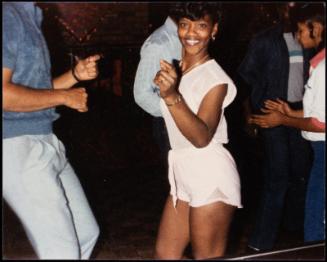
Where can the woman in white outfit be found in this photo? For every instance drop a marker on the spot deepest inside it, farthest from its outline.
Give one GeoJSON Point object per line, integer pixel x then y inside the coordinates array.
{"type": "Point", "coordinates": [205, 186]}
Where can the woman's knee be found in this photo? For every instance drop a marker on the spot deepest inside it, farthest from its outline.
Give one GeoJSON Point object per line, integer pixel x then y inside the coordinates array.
{"type": "Point", "coordinates": [209, 250]}
{"type": "Point", "coordinates": [163, 254]}
{"type": "Point", "coordinates": [208, 254]}
{"type": "Point", "coordinates": [166, 251]}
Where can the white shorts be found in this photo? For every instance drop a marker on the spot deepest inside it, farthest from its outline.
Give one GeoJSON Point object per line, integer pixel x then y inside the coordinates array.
{"type": "Point", "coordinates": [201, 176]}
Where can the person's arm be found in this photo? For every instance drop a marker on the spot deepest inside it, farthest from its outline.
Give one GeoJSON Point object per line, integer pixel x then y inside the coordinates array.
{"type": "Point", "coordinates": [18, 98]}
{"type": "Point", "coordinates": [274, 118]}
{"type": "Point", "coordinates": [253, 69]}
{"type": "Point", "coordinates": [310, 124]}
{"type": "Point", "coordinates": [85, 69]}
{"type": "Point", "coordinates": [253, 63]}
{"type": "Point", "coordinates": [145, 91]}
{"type": "Point", "coordinates": [311, 119]}
{"type": "Point", "coordinates": [198, 128]}
{"type": "Point", "coordinates": [282, 107]}
{"type": "Point", "coordinates": [250, 129]}
{"type": "Point", "coordinates": [247, 109]}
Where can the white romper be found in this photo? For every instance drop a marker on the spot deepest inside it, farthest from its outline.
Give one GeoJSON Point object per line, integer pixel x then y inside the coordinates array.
{"type": "Point", "coordinates": [201, 176]}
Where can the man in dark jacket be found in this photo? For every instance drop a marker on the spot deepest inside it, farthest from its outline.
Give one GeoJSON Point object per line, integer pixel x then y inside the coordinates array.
{"type": "Point", "coordinates": [275, 67]}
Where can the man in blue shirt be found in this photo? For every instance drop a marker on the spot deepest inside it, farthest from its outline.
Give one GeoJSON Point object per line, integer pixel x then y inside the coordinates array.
{"type": "Point", "coordinates": [163, 43]}
{"type": "Point", "coordinates": [39, 184]}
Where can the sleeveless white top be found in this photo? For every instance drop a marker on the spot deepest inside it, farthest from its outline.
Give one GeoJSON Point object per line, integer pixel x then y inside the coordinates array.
{"type": "Point", "coordinates": [193, 87]}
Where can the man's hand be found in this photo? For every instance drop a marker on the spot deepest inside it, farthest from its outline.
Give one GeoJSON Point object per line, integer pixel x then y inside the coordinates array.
{"type": "Point", "coordinates": [87, 69]}
{"type": "Point", "coordinates": [76, 98]}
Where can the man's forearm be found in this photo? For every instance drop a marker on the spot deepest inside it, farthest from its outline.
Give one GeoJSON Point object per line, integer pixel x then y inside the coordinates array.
{"type": "Point", "coordinates": [17, 98]}
{"type": "Point", "coordinates": [144, 89]}
{"type": "Point", "coordinates": [145, 96]}
{"type": "Point", "coordinates": [64, 81]}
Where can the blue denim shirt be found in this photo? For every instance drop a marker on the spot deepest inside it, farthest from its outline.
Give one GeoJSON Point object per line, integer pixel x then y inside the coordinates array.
{"type": "Point", "coordinates": [25, 52]}
{"type": "Point", "coordinates": [163, 43]}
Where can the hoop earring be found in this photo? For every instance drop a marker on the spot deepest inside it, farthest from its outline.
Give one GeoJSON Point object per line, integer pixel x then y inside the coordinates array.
{"type": "Point", "coordinates": [213, 38]}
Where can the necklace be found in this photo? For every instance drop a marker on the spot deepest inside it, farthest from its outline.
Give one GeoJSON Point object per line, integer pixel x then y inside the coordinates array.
{"type": "Point", "coordinates": [201, 61]}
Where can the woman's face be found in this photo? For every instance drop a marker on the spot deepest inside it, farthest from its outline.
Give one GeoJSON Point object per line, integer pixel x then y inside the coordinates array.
{"type": "Point", "coordinates": [303, 36]}
{"type": "Point", "coordinates": [195, 35]}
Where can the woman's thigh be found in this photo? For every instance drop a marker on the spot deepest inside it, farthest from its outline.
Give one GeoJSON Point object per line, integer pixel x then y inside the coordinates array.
{"type": "Point", "coordinates": [209, 227]}
{"type": "Point", "coordinates": [173, 235]}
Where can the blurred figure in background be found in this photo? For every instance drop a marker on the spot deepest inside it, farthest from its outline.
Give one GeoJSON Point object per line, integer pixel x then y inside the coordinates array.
{"type": "Point", "coordinates": [163, 43]}
{"type": "Point", "coordinates": [275, 67]}
{"type": "Point", "coordinates": [311, 22]}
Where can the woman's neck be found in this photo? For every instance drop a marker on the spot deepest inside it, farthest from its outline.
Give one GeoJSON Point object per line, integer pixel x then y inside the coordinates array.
{"type": "Point", "coordinates": [189, 59]}
{"type": "Point", "coordinates": [189, 62]}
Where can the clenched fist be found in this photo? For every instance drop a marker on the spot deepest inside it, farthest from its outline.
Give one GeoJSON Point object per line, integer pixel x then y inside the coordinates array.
{"type": "Point", "coordinates": [76, 98]}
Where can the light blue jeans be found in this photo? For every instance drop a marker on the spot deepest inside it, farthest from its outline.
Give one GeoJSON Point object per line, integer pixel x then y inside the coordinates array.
{"type": "Point", "coordinates": [42, 189]}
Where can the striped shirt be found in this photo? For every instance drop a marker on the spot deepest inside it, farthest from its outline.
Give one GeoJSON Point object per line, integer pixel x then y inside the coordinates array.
{"type": "Point", "coordinates": [295, 79]}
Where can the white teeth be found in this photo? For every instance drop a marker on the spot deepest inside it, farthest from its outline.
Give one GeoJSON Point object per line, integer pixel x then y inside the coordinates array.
{"type": "Point", "coordinates": [192, 42]}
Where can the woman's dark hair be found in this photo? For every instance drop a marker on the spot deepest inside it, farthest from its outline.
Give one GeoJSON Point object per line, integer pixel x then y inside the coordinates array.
{"type": "Point", "coordinates": [309, 13]}
{"type": "Point", "coordinates": [197, 10]}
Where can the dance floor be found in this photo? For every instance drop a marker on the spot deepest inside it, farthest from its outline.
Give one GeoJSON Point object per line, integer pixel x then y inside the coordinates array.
{"type": "Point", "coordinates": [114, 154]}
{"type": "Point", "coordinates": [128, 208]}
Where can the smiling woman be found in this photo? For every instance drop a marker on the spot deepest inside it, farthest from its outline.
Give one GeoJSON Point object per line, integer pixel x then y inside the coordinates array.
{"type": "Point", "coordinates": [196, 30]}
{"type": "Point", "coordinates": [202, 174]}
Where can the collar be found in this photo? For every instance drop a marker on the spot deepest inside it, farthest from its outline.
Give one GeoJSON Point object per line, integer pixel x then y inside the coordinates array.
{"type": "Point", "coordinates": [317, 58]}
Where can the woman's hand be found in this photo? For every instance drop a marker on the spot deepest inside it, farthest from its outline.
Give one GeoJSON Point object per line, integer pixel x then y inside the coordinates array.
{"type": "Point", "coordinates": [279, 106]}
{"type": "Point", "coordinates": [166, 79]}
{"type": "Point", "coordinates": [272, 118]}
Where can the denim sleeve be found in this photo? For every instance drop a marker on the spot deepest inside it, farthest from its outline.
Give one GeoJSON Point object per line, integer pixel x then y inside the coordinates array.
{"type": "Point", "coordinates": [12, 31]}
{"type": "Point", "coordinates": [146, 93]}
{"type": "Point", "coordinates": [251, 66]}
{"type": "Point", "coordinates": [252, 70]}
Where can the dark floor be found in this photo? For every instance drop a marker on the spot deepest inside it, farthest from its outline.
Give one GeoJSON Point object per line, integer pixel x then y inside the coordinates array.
{"type": "Point", "coordinates": [128, 208]}
{"type": "Point", "coordinates": [113, 152]}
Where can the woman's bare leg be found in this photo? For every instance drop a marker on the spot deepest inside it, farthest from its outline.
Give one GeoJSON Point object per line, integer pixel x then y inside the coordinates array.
{"type": "Point", "coordinates": [173, 235]}
{"type": "Point", "coordinates": [209, 226]}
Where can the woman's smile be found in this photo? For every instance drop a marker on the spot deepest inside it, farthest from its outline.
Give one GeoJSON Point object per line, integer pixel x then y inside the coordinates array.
{"type": "Point", "coordinates": [195, 35]}
{"type": "Point", "coordinates": [191, 42]}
